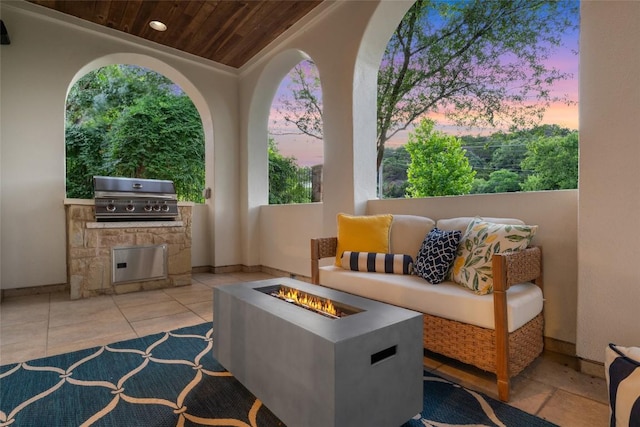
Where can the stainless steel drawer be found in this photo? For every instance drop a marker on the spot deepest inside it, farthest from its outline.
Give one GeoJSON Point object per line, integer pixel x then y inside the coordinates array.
{"type": "Point", "coordinates": [138, 263]}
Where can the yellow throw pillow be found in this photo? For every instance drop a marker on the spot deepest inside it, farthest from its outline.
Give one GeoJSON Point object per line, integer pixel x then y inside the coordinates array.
{"type": "Point", "coordinates": [366, 233]}
{"type": "Point", "coordinates": [482, 239]}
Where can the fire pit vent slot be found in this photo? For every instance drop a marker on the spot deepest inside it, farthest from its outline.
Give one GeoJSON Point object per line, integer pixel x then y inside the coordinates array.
{"type": "Point", "coordinates": [383, 354]}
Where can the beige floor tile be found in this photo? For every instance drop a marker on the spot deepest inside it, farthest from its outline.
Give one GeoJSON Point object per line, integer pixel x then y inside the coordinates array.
{"type": "Point", "coordinates": [203, 309]}
{"type": "Point", "coordinates": [97, 341]}
{"type": "Point", "coordinates": [251, 277]}
{"type": "Point", "coordinates": [96, 309]}
{"type": "Point", "coordinates": [140, 298]}
{"type": "Point", "coordinates": [529, 395]}
{"type": "Point", "coordinates": [22, 351]}
{"type": "Point", "coordinates": [214, 279]}
{"type": "Point", "coordinates": [25, 309]}
{"type": "Point", "coordinates": [197, 292]}
{"type": "Point", "coordinates": [24, 332]}
{"type": "Point", "coordinates": [469, 377]}
{"type": "Point", "coordinates": [86, 332]}
{"type": "Point", "coordinates": [554, 371]}
{"type": "Point", "coordinates": [431, 363]}
{"type": "Point", "coordinates": [570, 410]}
{"type": "Point", "coordinates": [151, 311]}
{"type": "Point", "coordinates": [166, 323]}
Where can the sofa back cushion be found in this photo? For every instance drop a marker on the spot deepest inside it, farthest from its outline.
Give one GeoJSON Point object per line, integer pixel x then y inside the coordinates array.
{"type": "Point", "coordinates": [365, 233]}
{"type": "Point", "coordinates": [461, 223]}
{"type": "Point", "coordinates": [408, 233]}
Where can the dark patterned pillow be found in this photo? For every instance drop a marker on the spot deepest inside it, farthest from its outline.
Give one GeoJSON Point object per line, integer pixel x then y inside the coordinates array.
{"type": "Point", "coordinates": [622, 371]}
{"type": "Point", "coordinates": [377, 262]}
{"type": "Point", "coordinates": [436, 254]}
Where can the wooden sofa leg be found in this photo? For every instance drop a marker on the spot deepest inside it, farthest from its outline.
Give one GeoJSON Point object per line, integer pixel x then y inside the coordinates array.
{"type": "Point", "coordinates": [503, 389]}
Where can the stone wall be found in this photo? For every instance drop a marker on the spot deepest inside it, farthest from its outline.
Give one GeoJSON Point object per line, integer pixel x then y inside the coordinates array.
{"type": "Point", "coordinates": [89, 244]}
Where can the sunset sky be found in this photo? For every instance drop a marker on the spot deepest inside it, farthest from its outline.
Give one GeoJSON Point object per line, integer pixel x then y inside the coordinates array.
{"type": "Point", "coordinates": [309, 151]}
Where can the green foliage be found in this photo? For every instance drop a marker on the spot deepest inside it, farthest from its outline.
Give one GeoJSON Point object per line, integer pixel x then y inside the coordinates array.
{"type": "Point", "coordinates": [500, 181]}
{"type": "Point", "coordinates": [438, 164]}
{"type": "Point", "coordinates": [554, 163]}
{"type": "Point", "coordinates": [394, 172]}
{"type": "Point", "coordinates": [542, 158]}
{"type": "Point", "coordinates": [128, 121]}
{"type": "Point", "coordinates": [285, 185]}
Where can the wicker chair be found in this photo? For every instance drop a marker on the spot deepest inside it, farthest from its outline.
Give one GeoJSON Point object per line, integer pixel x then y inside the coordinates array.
{"type": "Point", "coordinates": [494, 350]}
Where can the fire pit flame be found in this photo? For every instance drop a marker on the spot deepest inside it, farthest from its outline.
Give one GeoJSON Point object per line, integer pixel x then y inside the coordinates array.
{"type": "Point", "coordinates": [324, 306]}
{"type": "Point", "coordinates": [314, 303]}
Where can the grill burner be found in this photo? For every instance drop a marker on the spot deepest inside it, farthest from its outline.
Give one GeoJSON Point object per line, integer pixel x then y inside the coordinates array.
{"type": "Point", "coordinates": [122, 199]}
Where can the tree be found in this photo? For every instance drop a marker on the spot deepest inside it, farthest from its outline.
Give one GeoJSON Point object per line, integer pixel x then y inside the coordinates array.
{"type": "Point", "coordinates": [553, 162]}
{"type": "Point", "coordinates": [438, 165]}
{"type": "Point", "coordinates": [126, 120]}
{"type": "Point", "coordinates": [481, 63]}
{"type": "Point", "coordinates": [500, 181]}
{"type": "Point", "coordinates": [161, 137]}
{"type": "Point", "coordinates": [285, 185]}
{"type": "Point", "coordinates": [304, 111]}
{"type": "Point", "coordinates": [394, 172]}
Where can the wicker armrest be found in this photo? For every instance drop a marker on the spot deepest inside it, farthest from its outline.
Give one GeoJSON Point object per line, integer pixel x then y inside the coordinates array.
{"type": "Point", "coordinates": [518, 267]}
{"type": "Point", "coordinates": [323, 247]}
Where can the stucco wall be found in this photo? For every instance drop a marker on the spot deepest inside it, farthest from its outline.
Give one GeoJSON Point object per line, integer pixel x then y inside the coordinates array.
{"type": "Point", "coordinates": [609, 208]}
{"type": "Point", "coordinates": [46, 53]}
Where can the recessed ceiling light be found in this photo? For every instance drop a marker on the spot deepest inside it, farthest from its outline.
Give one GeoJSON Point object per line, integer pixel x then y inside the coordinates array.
{"type": "Point", "coordinates": [158, 26]}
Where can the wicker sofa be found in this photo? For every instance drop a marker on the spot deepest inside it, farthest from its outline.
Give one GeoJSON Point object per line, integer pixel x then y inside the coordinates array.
{"type": "Point", "coordinates": [501, 332]}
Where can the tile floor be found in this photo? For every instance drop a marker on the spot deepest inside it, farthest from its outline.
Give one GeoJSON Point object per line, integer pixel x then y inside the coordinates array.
{"type": "Point", "coordinates": [42, 325]}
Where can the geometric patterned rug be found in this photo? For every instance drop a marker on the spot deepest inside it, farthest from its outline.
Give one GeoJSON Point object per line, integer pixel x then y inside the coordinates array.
{"type": "Point", "coordinates": [172, 379]}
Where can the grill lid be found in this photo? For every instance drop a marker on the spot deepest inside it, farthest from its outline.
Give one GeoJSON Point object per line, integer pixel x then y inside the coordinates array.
{"type": "Point", "coordinates": [110, 184]}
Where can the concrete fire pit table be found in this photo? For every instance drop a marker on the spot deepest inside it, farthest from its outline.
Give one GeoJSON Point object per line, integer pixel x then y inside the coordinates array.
{"type": "Point", "coordinates": [364, 369]}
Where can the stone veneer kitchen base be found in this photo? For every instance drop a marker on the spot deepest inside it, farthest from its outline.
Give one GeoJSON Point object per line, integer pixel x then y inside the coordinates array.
{"type": "Point", "coordinates": [89, 244]}
{"type": "Point", "coordinates": [309, 370]}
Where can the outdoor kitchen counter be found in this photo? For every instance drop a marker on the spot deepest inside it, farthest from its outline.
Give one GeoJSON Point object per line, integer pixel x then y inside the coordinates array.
{"type": "Point", "coordinates": [126, 224]}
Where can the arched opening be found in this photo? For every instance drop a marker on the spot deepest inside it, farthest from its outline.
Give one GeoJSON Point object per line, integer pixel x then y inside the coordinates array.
{"type": "Point", "coordinates": [133, 116]}
{"type": "Point", "coordinates": [498, 95]}
{"type": "Point", "coordinates": [296, 149]}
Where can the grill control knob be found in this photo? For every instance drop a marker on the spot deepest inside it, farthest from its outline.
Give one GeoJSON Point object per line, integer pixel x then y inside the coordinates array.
{"type": "Point", "coordinates": [156, 208]}
{"type": "Point", "coordinates": [165, 208]}
{"type": "Point", "coordinates": [147, 208]}
{"type": "Point", "coordinates": [111, 207]}
{"type": "Point", "coordinates": [130, 208]}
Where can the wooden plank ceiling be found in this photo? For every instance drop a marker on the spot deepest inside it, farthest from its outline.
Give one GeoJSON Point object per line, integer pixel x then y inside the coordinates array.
{"type": "Point", "coordinates": [230, 32]}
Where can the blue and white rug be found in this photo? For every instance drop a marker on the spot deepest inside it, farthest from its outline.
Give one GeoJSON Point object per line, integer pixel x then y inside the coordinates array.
{"type": "Point", "coordinates": [172, 379]}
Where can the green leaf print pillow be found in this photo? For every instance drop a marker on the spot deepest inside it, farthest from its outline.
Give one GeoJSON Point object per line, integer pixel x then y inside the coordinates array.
{"type": "Point", "coordinates": [482, 239]}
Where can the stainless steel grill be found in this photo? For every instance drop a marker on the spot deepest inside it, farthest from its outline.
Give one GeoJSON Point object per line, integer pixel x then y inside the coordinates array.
{"type": "Point", "coordinates": [125, 199]}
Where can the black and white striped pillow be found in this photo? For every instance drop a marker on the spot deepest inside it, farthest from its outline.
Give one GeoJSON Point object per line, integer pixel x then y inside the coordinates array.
{"type": "Point", "coordinates": [377, 262]}
{"type": "Point", "coordinates": [622, 370]}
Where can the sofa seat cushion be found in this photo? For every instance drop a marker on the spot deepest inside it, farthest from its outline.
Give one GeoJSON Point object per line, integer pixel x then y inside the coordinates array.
{"type": "Point", "coordinates": [447, 299]}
